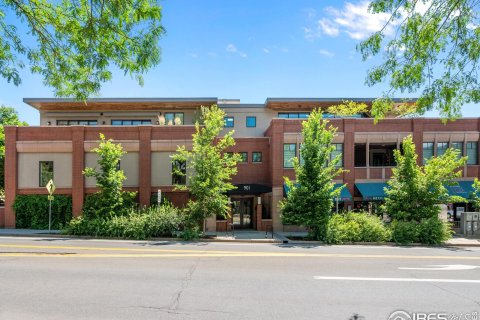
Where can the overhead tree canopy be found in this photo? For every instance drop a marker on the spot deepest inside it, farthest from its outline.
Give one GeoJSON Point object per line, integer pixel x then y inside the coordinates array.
{"type": "Point", "coordinates": [77, 42]}
{"type": "Point", "coordinates": [435, 49]}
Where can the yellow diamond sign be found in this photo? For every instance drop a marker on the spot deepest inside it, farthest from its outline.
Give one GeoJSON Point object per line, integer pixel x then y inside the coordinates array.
{"type": "Point", "coordinates": [50, 187]}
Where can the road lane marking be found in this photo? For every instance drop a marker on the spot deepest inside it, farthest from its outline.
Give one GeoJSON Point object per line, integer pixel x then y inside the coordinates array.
{"type": "Point", "coordinates": [396, 279]}
{"type": "Point", "coordinates": [445, 267]}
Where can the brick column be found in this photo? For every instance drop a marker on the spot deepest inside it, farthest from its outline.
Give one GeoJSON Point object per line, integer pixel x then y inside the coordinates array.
{"type": "Point", "coordinates": [349, 152]}
{"type": "Point", "coordinates": [10, 174]}
{"type": "Point", "coordinates": [417, 128]}
{"type": "Point", "coordinates": [258, 216]}
{"type": "Point", "coordinates": [78, 164]}
{"type": "Point", "coordinates": [145, 186]}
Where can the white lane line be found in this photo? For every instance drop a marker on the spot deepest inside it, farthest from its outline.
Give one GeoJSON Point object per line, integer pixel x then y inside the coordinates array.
{"type": "Point", "coordinates": [396, 279]}
{"type": "Point", "coordinates": [444, 267]}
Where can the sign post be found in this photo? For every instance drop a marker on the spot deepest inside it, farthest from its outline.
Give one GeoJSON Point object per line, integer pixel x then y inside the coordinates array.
{"type": "Point", "coordinates": [51, 189]}
{"type": "Point", "coordinates": [159, 196]}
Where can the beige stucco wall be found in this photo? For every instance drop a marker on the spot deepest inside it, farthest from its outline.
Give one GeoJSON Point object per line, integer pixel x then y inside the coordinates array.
{"type": "Point", "coordinates": [264, 116]}
{"type": "Point", "coordinates": [128, 163]}
{"type": "Point", "coordinates": [29, 169]}
{"type": "Point", "coordinates": [161, 168]}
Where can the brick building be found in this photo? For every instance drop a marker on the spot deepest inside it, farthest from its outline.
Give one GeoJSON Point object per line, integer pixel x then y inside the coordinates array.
{"type": "Point", "coordinates": [267, 136]}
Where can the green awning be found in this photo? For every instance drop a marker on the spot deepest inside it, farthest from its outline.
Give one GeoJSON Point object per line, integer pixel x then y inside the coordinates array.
{"type": "Point", "coordinates": [464, 189]}
{"type": "Point", "coordinates": [372, 190]}
{"type": "Point", "coordinates": [345, 195]}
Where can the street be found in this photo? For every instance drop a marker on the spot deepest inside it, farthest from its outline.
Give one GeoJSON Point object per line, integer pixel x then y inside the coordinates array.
{"type": "Point", "coordinates": [100, 279]}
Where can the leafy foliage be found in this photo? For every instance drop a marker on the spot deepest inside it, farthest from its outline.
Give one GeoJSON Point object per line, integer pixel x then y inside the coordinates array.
{"type": "Point", "coordinates": [210, 166]}
{"type": "Point", "coordinates": [476, 194]}
{"type": "Point", "coordinates": [94, 201]}
{"type": "Point", "coordinates": [309, 202]}
{"type": "Point", "coordinates": [75, 42]}
{"type": "Point", "coordinates": [151, 222]}
{"type": "Point", "coordinates": [31, 211]}
{"type": "Point", "coordinates": [356, 227]}
{"type": "Point", "coordinates": [8, 117]}
{"type": "Point", "coordinates": [416, 191]}
{"type": "Point", "coordinates": [437, 51]}
{"type": "Point", "coordinates": [348, 108]}
{"type": "Point", "coordinates": [426, 231]}
{"type": "Point", "coordinates": [110, 199]}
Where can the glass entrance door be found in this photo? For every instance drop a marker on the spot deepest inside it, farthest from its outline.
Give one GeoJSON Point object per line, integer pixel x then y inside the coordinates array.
{"type": "Point", "coordinates": [242, 213]}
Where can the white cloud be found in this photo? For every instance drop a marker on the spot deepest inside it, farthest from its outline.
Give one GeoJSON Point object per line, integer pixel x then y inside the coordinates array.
{"type": "Point", "coordinates": [193, 55]}
{"type": "Point", "coordinates": [265, 50]}
{"type": "Point", "coordinates": [326, 53]}
{"type": "Point", "coordinates": [284, 50]}
{"type": "Point", "coordinates": [328, 27]}
{"type": "Point", "coordinates": [233, 49]}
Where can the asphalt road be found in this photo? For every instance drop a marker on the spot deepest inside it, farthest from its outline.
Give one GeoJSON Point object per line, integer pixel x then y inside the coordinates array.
{"type": "Point", "coordinates": [92, 279]}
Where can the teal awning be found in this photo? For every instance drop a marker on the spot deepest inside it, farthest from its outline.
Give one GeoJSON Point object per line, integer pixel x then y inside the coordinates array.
{"type": "Point", "coordinates": [372, 190]}
{"type": "Point", "coordinates": [345, 195]}
{"type": "Point", "coordinates": [463, 189]}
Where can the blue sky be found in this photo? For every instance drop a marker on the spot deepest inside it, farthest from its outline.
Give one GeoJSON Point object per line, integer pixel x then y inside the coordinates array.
{"type": "Point", "coordinates": [249, 49]}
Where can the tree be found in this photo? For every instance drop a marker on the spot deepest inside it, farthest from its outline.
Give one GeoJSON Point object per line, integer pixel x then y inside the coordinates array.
{"type": "Point", "coordinates": [415, 191]}
{"type": "Point", "coordinates": [76, 41]}
{"type": "Point", "coordinates": [8, 117]}
{"type": "Point", "coordinates": [309, 202]}
{"type": "Point", "coordinates": [476, 194]}
{"type": "Point", "coordinates": [210, 168]}
{"type": "Point", "coordinates": [109, 201]}
{"type": "Point", "coordinates": [435, 48]}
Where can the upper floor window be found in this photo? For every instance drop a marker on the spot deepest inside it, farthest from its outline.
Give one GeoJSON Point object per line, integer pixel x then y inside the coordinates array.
{"type": "Point", "coordinates": [77, 122]}
{"type": "Point", "coordinates": [472, 153]}
{"type": "Point", "coordinates": [427, 151]}
{"type": "Point", "coordinates": [243, 156]}
{"type": "Point", "coordinates": [289, 152]}
{"type": "Point", "coordinates": [45, 172]}
{"type": "Point", "coordinates": [174, 118]}
{"type": "Point", "coordinates": [229, 122]}
{"type": "Point", "coordinates": [130, 122]}
{"type": "Point", "coordinates": [179, 171]}
{"type": "Point", "coordinates": [256, 156]}
{"type": "Point", "coordinates": [458, 146]}
{"type": "Point", "coordinates": [441, 148]}
{"type": "Point", "coordinates": [251, 121]}
{"type": "Point", "coordinates": [293, 115]}
{"type": "Point", "coordinates": [338, 151]}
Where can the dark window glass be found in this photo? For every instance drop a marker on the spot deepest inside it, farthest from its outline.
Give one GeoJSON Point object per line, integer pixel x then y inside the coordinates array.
{"type": "Point", "coordinates": [283, 115]}
{"type": "Point", "coordinates": [441, 148]}
{"type": "Point", "coordinates": [251, 122]}
{"type": "Point", "coordinates": [174, 118]}
{"type": "Point", "coordinates": [256, 157]}
{"type": "Point", "coordinates": [76, 122]}
{"type": "Point", "coordinates": [46, 172]}
{"type": "Point", "coordinates": [472, 153]}
{"type": "Point", "coordinates": [130, 122]}
{"type": "Point", "coordinates": [293, 115]}
{"type": "Point", "coordinates": [243, 156]}
{"type": "Point", "coordinates": [179, 171]}
{"type": "Point", "coordinates": [289, 152]}
{"type": "Point", "coordinates": [229, 122]}
{"type": "Point", "coordinates": [458, 146]}
{"type": "Point", "coordinates": [338, 151]}
{"type": "Point", "coordinates": [381, 155]}
{"type": "Point", "coordinates": [427, 151]}
{"type": "Point", "coordinates": [360, 156]}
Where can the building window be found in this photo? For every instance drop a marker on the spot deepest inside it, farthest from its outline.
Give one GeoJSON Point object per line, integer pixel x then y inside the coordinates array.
{"type": "Point", "coordinates": [289, 152]}
{"type": "Point", "coordinates": [381, 155]}
{"type": "Point", "coordinates": [427, 151]}
{"type": "Point", "coordinates": [130, 122]}
{"type": "Point", "coordinates": [441, 148]}
{"type": "Point", "coordinates": [179, 171]}
{"type": "Point", "coordinates": [301, 161]}
{"type": "Point", "coordinates": [46, 172]}
{"type": "Point", "coordinates": [256, 156]}
{"type": "Point", "coordinates": [229, 122]}
{"type": "Point", "coordinates": [174, 118]}
{"type": "Point", "coordinates": [293, 115]}
{"type": "Point", "coordinates": [243, 156]}
{"type": "Point", "coordinates": [338, 151]}
{"type": "Point", "coordinates": [360, 155]}
{"type": "Point", "coordinates": [458, 146]}
{"type": "Point", "coordinates": [472, 153]}
{"type": "Point", "coordinates": [251, 122]}
{"type": "Point", "coordinates": [77, 122]}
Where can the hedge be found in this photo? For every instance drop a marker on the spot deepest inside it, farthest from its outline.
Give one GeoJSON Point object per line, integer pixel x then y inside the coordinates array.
{"type": "Point", "coordinates": [31, 211]}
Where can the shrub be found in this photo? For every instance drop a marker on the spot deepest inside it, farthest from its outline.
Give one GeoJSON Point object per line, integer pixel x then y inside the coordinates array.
{"type": "Point", "coordinates": [135, 224]}
{"type": "Point", "coordinates": [31, 211]}
{"type": "Point", "coordinates": [356, 227]}
{"type": "Point", "coordinates": [93, 203]}
{"type": "Point", "coordinates": [427, 231]}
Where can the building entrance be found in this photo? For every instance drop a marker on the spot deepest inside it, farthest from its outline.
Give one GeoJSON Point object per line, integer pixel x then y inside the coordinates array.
{"type": "Point", "coordinates": [242, 212]}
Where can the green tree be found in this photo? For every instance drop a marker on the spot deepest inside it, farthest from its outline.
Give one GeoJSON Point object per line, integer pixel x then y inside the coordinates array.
{"type": "Point", "coordinates": [210, 168]}
{"type": "Point", "coordinates": [476, 194]}
{"type": "Point", "coordinates": [435, 48]}
{"type": "Point", "coordinates": [309, 202]}
{"type": "Point", "coordinates": [415, 191]}
{"type": "Point", "coordinates": [75, 42]}
{"type": "Point", "coordinates": [109, 201]}
{"type": "Point", "coordinates": [8, 117]}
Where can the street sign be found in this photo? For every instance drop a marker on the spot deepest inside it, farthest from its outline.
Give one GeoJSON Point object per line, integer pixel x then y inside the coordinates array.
{"type": "Point", "coordinates": [50, 187]}
{"type": "Point", "coordinates": [159, 196]}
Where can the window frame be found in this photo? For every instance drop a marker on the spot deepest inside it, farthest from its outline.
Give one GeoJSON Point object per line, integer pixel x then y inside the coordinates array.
{"type": "Point", "coordinates": [181, 177]}
{"type": "Point", "coordinates": [261, 156]}
{"type": "Point", "coordinates": [174, 116]}
{"type": "Point", "coordinates": [475, 143]}
{"type": "Point", "coordinates": [443, 143]}
{"type": "Point", "coordinates": [40, 172]}
{"type": "Point", "coordinates": [340, 163]}
{"type": "Point", "coordinates": [241, 153]}
{"type": "Point", "coordinates": [425, 148]}
{"type": "Point", "coordinates": [226, 118]}
{"type": "Point", "coordinates": [254, 119]}
{"type": "Point", "coordinates": [124, 121]}
{"type": "Point", "coordinates": [69, 123]}
{"type": "Point", "coordinates": [294, 155]}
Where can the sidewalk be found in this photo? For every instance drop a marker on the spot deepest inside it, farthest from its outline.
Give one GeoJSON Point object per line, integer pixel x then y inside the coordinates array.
{"type": "Point", "coordinates": [248, 236]}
